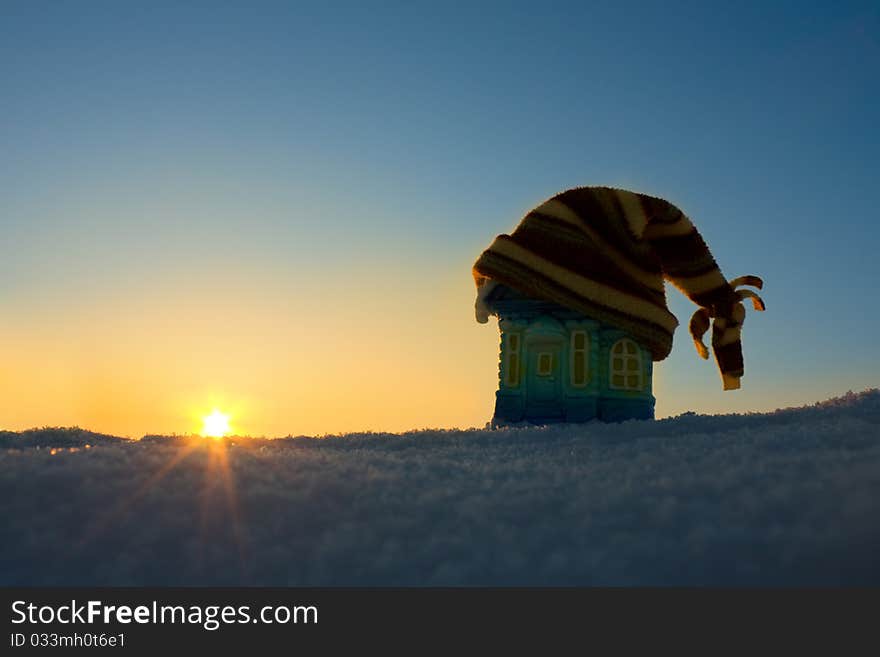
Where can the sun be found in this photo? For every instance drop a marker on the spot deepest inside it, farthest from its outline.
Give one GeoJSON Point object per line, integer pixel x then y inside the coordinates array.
{"type": "Point", "coordinates": [216, 425]}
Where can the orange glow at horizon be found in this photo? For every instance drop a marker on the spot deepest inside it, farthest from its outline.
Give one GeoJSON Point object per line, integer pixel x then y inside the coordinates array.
{"type": "Point", "coordinates": [156, 357]}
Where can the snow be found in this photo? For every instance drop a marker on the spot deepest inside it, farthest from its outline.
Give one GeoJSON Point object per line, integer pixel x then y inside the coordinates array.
{"type": "Point", "coordinates": [785, 498]}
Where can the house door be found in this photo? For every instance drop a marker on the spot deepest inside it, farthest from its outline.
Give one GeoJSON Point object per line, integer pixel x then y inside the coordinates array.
{"type": "Point", "coordinates": [544, 382]}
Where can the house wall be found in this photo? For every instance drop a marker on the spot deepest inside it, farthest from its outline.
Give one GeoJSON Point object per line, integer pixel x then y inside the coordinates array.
{"type": "Point", "coordinates": [597, 400]}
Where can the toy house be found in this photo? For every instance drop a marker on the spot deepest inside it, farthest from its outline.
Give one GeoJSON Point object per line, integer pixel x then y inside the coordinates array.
{"type": "Point", "coordinates": [579, 291]}
{"type": "Point", "coordinates": [557, 365]}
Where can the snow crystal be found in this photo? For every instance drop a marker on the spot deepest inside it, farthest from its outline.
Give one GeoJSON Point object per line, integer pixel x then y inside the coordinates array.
{"type": "Point", "coordinates": [790, 498]}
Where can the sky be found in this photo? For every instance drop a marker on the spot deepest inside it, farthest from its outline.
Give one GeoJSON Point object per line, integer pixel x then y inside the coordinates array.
{"type": "Point", "coordinates": [273, 208]}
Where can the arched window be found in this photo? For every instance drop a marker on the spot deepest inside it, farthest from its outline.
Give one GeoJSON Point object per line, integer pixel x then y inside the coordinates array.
{"type": "Point", "coordinates": [626, 366]}
{"type": "Point", "coordinates": [580, 354]}
{"type": "Point", "coordinates": [512, 369]}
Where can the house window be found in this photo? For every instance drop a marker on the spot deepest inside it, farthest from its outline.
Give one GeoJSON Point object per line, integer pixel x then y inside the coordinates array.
{"type": "Point", "coordinates": [545, 363]}
{"type": "Point", "coordinates": [580, 351]}
{"type": "Point", "coordinates": [513, 360]}
{"type": "Point", "coordinates": [626, 365]}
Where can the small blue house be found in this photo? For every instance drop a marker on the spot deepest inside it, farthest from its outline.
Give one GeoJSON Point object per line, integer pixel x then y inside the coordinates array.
{"type": "Point", "coordinates": [558, 365]}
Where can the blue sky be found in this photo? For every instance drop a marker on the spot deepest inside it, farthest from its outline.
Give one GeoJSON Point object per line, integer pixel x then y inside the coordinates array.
{"type": "Point", "coordinates": [372, 150]}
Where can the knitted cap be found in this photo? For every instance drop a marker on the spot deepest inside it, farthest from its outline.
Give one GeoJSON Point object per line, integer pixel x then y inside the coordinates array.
{"type": "Point", "coordinates": [606, 252]}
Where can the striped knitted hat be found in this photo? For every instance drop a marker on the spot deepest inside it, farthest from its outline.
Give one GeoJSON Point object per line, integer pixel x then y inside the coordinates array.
{"type": "Point", "coordinates": [605, 252]}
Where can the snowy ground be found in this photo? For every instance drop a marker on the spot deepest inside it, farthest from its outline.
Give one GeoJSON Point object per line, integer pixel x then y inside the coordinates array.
{"type": "Point", "coordinates": [787, 498]}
